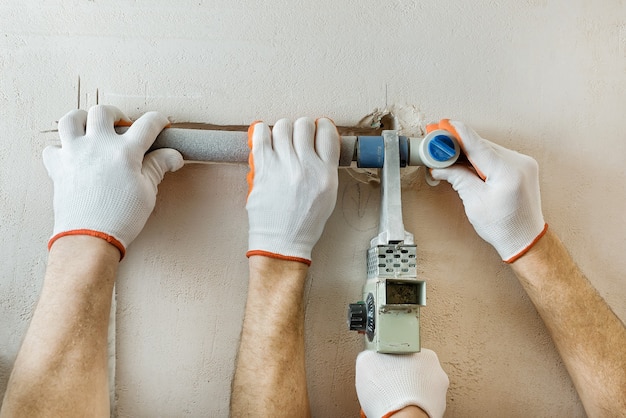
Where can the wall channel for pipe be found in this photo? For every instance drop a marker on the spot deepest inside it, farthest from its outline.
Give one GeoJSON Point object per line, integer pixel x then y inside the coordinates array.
{"type": "Point", "coordinates": [438, 149]}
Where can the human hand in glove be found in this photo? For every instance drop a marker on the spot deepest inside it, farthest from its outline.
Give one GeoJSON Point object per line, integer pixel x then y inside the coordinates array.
{"type": "Point", "coordinates": [387, 383]}
{"type": "Point", "coordinates": [292, 186]}
{"type": "Point", "coordinates": [500, 191]}
{"type": "Point", "coordinates": [104, 184]}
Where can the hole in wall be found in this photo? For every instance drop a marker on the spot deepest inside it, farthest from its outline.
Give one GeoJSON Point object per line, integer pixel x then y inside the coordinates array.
{"type": "Point", "coordinates": [409, 121]}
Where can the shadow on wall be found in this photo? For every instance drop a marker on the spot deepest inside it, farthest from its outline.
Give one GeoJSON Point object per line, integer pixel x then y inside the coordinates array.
{"type": "Point", "coordinates": [5, 371]}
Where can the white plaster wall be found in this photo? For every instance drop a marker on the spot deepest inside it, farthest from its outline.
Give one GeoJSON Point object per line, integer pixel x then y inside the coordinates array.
{"type": "Point", "coordinates": [545, 77]}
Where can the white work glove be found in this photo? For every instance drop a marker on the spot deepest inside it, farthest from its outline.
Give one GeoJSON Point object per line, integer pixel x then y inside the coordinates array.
{"type": "Point", "coordinates": [292, 186]}
{"type": "Point", "coordinates": [501, 194]}
{"type": "Point", "coordinates": [104, 186]}
{"type": "Point", "coordinates": [386, 383]}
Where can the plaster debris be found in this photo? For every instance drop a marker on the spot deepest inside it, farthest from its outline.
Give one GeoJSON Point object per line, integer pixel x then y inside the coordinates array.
{"type": "Point", "coordinates": [407, 119]}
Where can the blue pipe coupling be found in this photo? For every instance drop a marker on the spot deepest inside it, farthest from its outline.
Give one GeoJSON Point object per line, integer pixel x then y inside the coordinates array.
{"type": "Point", "coordinates": [438, 149]}
{"type": "Point", "coordinates": [370, 151]}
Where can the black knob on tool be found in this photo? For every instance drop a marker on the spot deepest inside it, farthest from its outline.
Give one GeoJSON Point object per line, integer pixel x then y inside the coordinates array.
{"type": "Point", "coordinates": [357, 316]}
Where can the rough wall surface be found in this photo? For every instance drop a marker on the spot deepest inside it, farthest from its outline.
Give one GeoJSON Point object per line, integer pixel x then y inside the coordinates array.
{"type": "Point", "coordinates": [544, 77]}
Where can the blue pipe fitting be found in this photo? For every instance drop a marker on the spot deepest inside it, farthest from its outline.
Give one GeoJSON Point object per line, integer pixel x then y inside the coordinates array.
{"type": "Point", "coordinates": [441, 148]}
{"type": "Point", "coordinates": [438, 149]}
{"type": "Point", "coordinates": [370, 151]}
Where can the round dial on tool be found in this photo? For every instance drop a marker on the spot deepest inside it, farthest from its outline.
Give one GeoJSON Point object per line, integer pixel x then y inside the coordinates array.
{"type": "Point", "coordinates": [357, 316]}
{"type": "Point", "coordinates": [370, 326]}
{"type": "Point", "coordinates": [361, 316]}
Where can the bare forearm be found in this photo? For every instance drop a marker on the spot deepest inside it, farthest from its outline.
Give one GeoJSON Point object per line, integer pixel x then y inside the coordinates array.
{"type": "Point", "coordinates": [61, 368]}
{"type": "Point", "coordinates": [589, 336]}
{"type": "Point", "coordinates": [270, 378]}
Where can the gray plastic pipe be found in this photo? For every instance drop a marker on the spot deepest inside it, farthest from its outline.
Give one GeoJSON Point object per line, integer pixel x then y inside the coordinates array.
{"type": "Point", "coordinates": [225, 146]}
